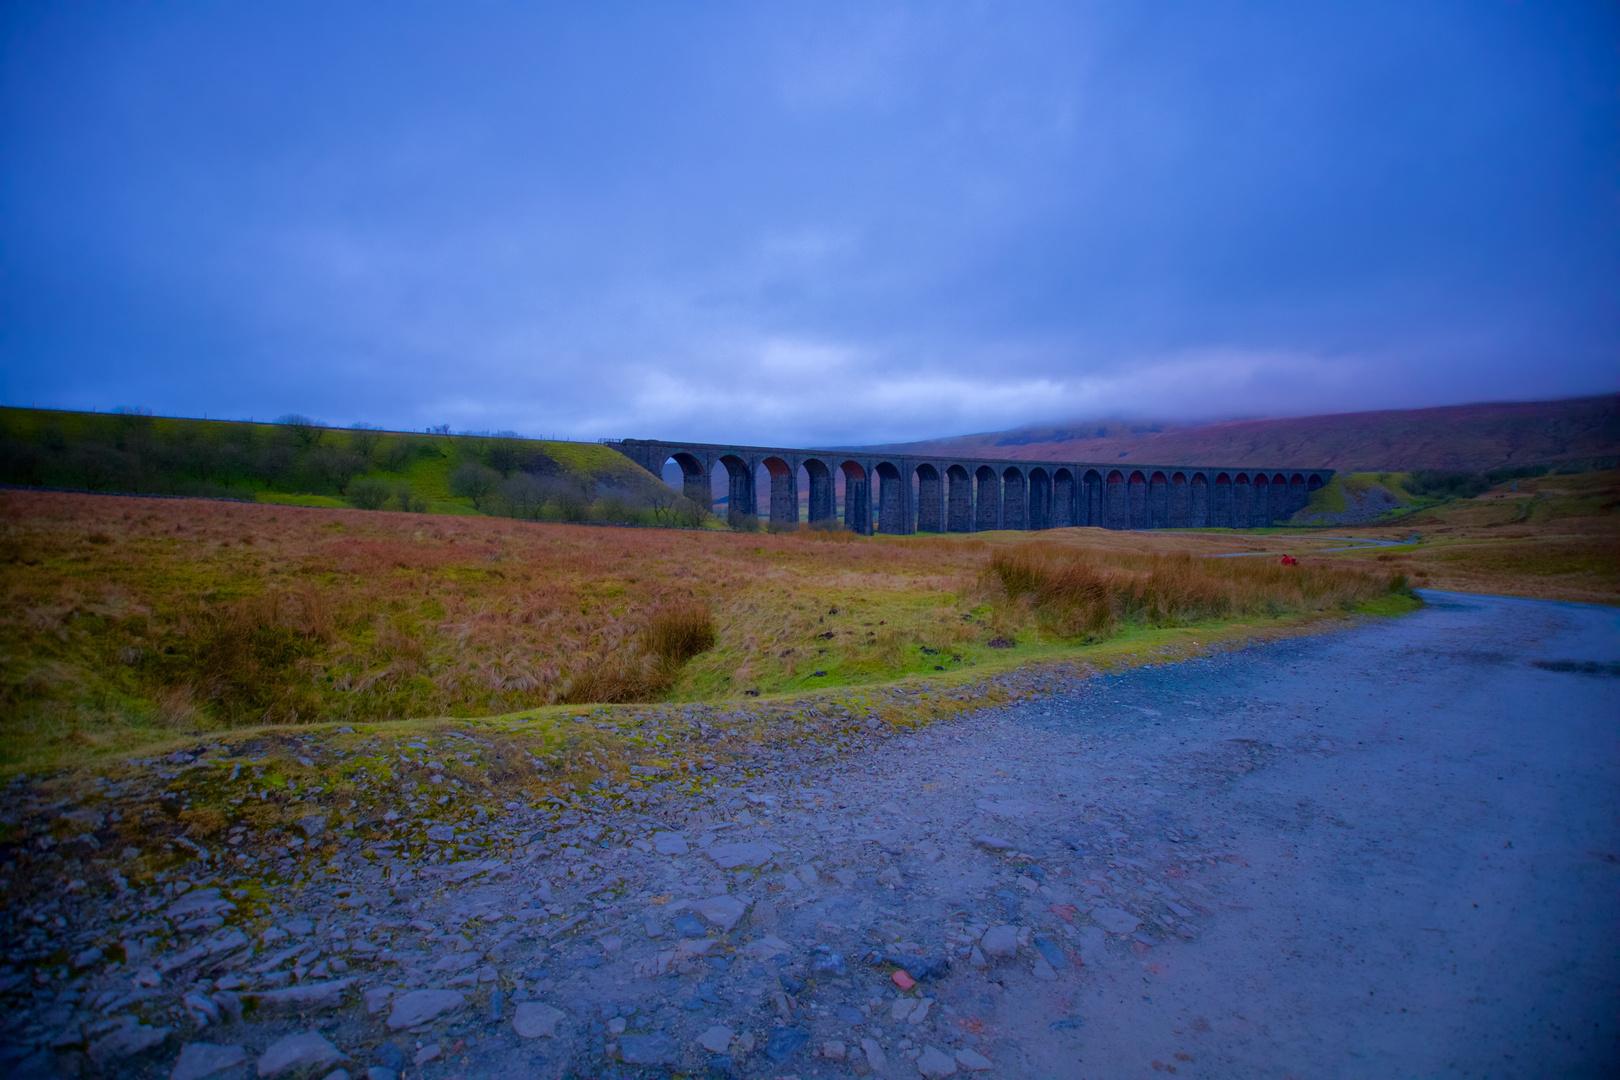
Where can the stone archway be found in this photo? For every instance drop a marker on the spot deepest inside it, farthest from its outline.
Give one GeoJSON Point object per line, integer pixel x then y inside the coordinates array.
{"type": "Point", "coordinates": [891, 499]}
{"type": "Point", "coordinates": [987, 509]}
{"type": "Point", "coordinates": [823, 502]}
{"type": "Point", "coordinates": [1137, 495]}
{"type": "Point", "coordinates": [1116, 502]}
{"type": "Point", "coordinates": [1014, 499]}
{"type": "Point", "coordinates": [784, 493]}
{"type": "Point", "coordinates": [857, 498]}
{"type": "Point", "coordinates": [1158, 501]}
{"type": "Point", "coordinates": [959, 512]}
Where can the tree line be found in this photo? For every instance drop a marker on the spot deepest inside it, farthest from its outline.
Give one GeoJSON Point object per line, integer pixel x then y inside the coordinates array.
{"type": "Point", "coordinates": [501, 474]}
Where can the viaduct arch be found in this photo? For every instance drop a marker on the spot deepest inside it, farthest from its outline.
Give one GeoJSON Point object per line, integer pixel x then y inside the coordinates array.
{"type": "Point", "coordinates": [922, 493]}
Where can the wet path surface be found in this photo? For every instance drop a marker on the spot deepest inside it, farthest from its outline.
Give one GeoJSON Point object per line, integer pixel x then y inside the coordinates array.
{"type": "Point", "coordinates": [1384, 852]}
{"type": "Point", "coordinates": [1426, 878]}
{"type": "Point", "coordinates": [1392, 851]}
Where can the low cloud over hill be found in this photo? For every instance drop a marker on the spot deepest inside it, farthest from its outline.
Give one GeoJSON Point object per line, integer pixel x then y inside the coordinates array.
{"type": "Point", "coordinates": [1576, 431]}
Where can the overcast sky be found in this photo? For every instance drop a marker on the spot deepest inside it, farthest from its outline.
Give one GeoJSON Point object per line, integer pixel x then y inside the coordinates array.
{"type": "Point", "coordinates": [809, 224]}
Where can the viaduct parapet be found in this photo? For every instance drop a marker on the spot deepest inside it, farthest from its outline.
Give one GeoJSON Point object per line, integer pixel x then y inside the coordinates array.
{"type": "Point", "coordinates": [958, 494]}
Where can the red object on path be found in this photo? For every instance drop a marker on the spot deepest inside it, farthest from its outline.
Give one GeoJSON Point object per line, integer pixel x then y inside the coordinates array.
{"type": "Point", "coordinates": [1289, 560]}
{"type": "Point", "coordinates": [903, 981]}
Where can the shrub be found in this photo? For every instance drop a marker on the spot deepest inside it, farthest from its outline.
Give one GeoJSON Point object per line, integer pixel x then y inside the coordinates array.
{"type": "Point", "coordinates": [370, 493]}
{"type": "Point", "coordinates": [243, 658]}
{"type": "Point", "coordinates": [569, 504]}
{"type": "Point", "coordinates": [397, 453]}
{"type": "Point", "coordinates": [474, 480]}
{"type": "Point", "coordinates": [409, 501]}
{"type": "Point", "coordinates": [663, 502]}
{"type": "Point", "coordinates": [690, 514]}
{"type": "Point", "coordinates": [306, 431]}
{"type": "Point", "coordinates": [1074, 593]}
{"type": "Point", "coordinates": [613, 510]}
{"type": "Point", "coordinates": [1519, 472]}
{"type": "Point", "coordinates": [1447, 484]}
{"type": "Point", "coordinates": [331, 468]}
{"type": "Point", "coordinates": [613, 684]}
{"type": "Point", "coordinates": [503, 452]}
{"type": "Point", "coordinates": [363, 439]}
{"type": "Point", "coordinates": [679, 630]}
{"type": "Point", "coordinates": [520, 496]}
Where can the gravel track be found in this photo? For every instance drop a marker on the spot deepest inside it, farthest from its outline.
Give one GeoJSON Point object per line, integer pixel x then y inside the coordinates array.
{"type": "Point", "coordinates": [1391, 851]}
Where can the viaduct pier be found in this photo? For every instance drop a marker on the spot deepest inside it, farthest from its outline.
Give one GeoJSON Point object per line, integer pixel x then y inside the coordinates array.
{"type": "Point", "coordinates": [921, 493]}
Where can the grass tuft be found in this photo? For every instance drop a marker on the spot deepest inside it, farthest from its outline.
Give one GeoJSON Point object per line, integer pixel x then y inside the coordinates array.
{"type": "Point", "coordinates": [679, 630]}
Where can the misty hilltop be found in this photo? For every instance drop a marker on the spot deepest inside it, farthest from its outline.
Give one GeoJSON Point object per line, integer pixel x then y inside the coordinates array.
{"type": "Point", "coordinates": [1574, 431]}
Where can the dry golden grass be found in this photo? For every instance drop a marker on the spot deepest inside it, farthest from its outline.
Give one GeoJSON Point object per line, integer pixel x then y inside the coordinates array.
{"type": "Point", "coordinates": [1548, 538]}
{"type": "Point", "coordinates": [1088, 593]}
{"type": "Point", "coordinates": [122, 615]}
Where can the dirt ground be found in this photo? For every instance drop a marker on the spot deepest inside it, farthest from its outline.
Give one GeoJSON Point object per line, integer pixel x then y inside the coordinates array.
{"type": "Point", "coordinates": [1388, 851]}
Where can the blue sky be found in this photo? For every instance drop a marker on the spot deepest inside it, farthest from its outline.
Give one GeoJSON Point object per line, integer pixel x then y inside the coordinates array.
{"type": "Point", "coordinates": [805, 223]}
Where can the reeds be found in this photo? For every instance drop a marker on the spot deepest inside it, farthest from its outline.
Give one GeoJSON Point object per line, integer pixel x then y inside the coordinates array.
{"type": "Point", "coordinates": [186, 612]}
{"type": "Point", "coordinates": [1077, 593]}
{"type": "Point", "coordinates": [679, 630]}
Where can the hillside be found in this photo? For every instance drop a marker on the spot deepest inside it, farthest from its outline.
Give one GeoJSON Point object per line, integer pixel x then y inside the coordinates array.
{"type": "Point", "coordinates": [1579, 432]}
{"type": "Point", "coordinates": [299, 462]}
{"type": "Point", "coordinates": [1552, 537]}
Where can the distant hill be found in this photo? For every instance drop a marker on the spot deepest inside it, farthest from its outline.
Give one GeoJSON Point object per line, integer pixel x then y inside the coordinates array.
{"type": "Point", "coordinates": [297, 461]}
{"type": "Point", "coordinates": [1582, 432]}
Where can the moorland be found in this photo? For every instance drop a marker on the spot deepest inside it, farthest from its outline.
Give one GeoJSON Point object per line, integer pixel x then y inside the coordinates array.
{"type": "Point", "coordinates": [413, 721]}
{"type": "Point", "coordinates": [1572, 433]}
{"type": "Point", "coordinates": [326, 576]}
{"type": "Point", "coordinates": [128, 619]}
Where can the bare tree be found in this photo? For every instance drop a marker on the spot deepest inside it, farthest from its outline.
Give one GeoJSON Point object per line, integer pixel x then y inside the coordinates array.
{"type": "Point", "coordinates": [331, 467]}
{"type": "Point", "coordinates": [522, 496]}
{"type": "Point", "coordinates": [409, 501]}
{"type": "Point", "coordinates": [363, 439]}
{"type": "Point", "coordinates": [663, 501]}
{"type": "Point", "coordinates": [369, 493]}
{"type": "Point", "coordinates": [398, 451]}
{"type": "Point", "coordinates": [474, 480]}
{"type": "Point", "coordinates": [306, 431]}
{"type": "Point", "coordinates": [504, 451]}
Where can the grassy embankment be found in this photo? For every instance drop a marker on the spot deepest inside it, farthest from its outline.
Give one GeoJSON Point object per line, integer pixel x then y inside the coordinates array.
{"type": "Point", "coordinates": [1554, 537]}
{"type": "Point", "coordinates": [301, 463]}
{"type": "Point", "coordinates": [1547, 537]}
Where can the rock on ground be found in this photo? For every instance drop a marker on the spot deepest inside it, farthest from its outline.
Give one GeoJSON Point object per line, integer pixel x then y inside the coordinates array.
{"type": "Point", "coordinates": [1000, 942]}
{"type": "Point", "coordinates": [198, 1060]}
{"type": "Point", "coordinates": [972, 1060]}
{"type": "Point", "coordinates": [655, 1049]}
{"type": "Point", "coordinates": [1114, 920]}
{"type": "Point", "coordinates": [721, 911]}
{"type": "Point", "coordinates": [536, 1020]}
{"type": "Point", "coordinates": [306, 996]}
{"type": "Point", "coordinates": [732, 856]}
{"type": "Point", "coordinates": [936, 1062]}
{"type": "Point", "coordinates": [127, 1041]}
{"type": "Point", "coordinates": [307, 1051]}
{"type": "Point", "coordinates": [1144, 828]}
{"type": "Point", "coordinates": [420, 1006]}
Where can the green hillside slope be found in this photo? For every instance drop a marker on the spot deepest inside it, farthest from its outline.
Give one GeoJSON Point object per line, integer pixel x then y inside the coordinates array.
{"type": "Point", "coordinates": [298, 462]}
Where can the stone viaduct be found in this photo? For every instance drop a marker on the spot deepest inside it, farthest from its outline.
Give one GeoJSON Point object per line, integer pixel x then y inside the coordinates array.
{"type": "Point", "coordinates": [921, 493]}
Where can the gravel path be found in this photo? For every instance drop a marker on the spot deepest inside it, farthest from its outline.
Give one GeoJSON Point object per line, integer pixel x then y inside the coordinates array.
{"type": "Point", "coordinates": [1391, 851]}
